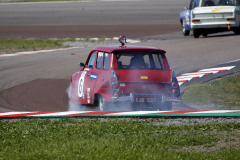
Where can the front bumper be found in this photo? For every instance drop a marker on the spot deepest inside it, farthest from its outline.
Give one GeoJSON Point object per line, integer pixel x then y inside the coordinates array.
{"type": "Point", "coordinates": [132, 96]}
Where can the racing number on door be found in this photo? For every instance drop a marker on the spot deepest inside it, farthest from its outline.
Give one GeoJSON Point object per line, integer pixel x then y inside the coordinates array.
{"type": "Point", "coordinates": [81, 84]}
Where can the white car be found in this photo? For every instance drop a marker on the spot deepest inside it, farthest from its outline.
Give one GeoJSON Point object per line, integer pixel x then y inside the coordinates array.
{"type": "Point", "coordinates": [212, 16]}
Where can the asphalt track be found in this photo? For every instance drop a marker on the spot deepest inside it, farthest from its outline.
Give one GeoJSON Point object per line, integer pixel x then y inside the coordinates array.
{"type": "Point", "coordinates": [76, 19]}
{"type": "Point", "coordinates": [39, 82]}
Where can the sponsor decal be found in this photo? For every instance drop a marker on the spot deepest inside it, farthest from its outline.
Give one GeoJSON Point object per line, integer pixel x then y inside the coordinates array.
{"type": "Point", "coordinates": [88, 94]}
{"type": "Point", "coordinates": [217, 10]}
{"type": "Point", "coordinates": [93, 76]}
{"type": "Point", "coordinates": [144, 77]}
{"type": "Point", "coordinates": [83, 96]}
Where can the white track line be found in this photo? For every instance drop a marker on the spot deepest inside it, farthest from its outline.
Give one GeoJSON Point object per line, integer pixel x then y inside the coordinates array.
{"type": "Point", "coordinates": [62, 49]}
{"type": "Point", "coordinates": [35, 52]}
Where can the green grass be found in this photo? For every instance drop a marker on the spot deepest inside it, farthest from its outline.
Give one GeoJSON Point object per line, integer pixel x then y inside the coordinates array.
{"type": "Point", "coordinates": [117, 139]}
{"type": "Point", "coordinates": [223, 93]}
{"type": "Point", "coordinates": [23, 44]}
{"type": "Point", "coordinates": [18, 44]}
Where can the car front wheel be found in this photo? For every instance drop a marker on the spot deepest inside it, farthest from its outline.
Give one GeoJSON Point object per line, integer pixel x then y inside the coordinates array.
{"type": "Point", "coordinates": [184, 31]}
{"type": "Point", "coordinates": [101, 103]}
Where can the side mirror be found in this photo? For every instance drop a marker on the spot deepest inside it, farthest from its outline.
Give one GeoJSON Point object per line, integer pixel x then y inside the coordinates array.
{"type": "Point", "coordinates": [82, 65]}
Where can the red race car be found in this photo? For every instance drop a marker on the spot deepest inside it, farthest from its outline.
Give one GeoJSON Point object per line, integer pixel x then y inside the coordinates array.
{"type": "Point", "coordinates": [135, 74]}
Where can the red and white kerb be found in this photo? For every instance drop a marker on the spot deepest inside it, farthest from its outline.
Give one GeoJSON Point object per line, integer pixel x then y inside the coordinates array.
{"type": "Point", "coordinates": [189, 76]}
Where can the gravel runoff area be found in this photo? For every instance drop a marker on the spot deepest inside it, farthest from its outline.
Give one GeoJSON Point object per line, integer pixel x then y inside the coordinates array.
{"type": "Point", "coordinates": [165, 121]}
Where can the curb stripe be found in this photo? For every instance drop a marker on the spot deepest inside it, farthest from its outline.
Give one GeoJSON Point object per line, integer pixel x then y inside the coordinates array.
{"type": "Point", "coordinates": [198, 74]}
{"type": "Point", "coordinates": [187, 113]}
{"type": "Point", "coordinates": [26, 114]}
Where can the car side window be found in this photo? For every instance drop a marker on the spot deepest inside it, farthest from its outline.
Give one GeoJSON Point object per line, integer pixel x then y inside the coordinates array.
{"type": "Point", "coordinates": [99, 60]}
{"type": "Point", "coordinates": [191, 6]}
{"type": "Point", "coordinates": [158, 61]}
{"type": "Point", "coordinates": [237, 2]}
{"type": "Point", "coordinates": [106, 61]}
{"type": "Point", "coordinates": [91, 60]}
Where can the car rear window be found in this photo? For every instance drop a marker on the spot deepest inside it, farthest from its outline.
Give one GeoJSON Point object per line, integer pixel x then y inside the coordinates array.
{"type": "Point", "coordinates": [139, 60]}
{"type": "Point", "coordinates": [206, 3]}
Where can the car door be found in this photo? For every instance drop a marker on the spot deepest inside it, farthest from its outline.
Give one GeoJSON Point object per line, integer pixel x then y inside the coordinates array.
{"type": "Point", "coordinates": [193, 4]}
{"type": "Point", "coordinates": [104, 73]}
{"type": "Point", "coordinates": [87, 80]}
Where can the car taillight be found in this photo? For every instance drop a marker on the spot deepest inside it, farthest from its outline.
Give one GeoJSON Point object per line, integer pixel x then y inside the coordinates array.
{"type": "Point", "coordinates": [175, 87]}
{"type": "Point", "coordinates": [231, 19]}
{"type": "Point", "coordinates": [115, 84]}
{"type": "Point", "coordinates": [196, 20]}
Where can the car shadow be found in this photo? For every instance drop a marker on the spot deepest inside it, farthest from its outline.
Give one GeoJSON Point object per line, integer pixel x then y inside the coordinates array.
{"type": "Point", "coordinates": [216, 35]}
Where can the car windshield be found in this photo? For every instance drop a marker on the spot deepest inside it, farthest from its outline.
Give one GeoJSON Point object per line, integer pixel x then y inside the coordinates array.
{"type": "Point", "coordinates": [207, 3]}
{"type": "Point", "coordinates": [139, 60]}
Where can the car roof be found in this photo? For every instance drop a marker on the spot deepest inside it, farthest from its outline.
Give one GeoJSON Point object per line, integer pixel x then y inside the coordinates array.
{"type": "Point", "coordinates": [111, 49]}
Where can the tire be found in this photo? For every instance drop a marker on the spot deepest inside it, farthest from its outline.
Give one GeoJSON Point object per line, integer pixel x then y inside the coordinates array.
{"type": "Point", "coordinates": [184, 31]}
{"type": "Point", "coordinates": [196, 33]}
{"type": "Point", "coordinates": [101, 103]}
{"type": "Point", "coordinates": [205, 34]}
{"type": "Point", "coordinates": [236, 31]}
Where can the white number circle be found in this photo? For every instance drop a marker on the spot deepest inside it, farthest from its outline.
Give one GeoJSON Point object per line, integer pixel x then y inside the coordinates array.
{"type": "Point", "coordinates": [81, 84]}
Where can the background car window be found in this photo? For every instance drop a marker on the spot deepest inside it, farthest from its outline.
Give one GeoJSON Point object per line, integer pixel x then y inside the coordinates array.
{"type": "Point", "coordinates": [106, 61]}
{"type": "Point", "coordinates": [219, 2]}
{"type": "Point", "coordinates": [238, 2]}
{"type": "Point", "coordinates": [191, 6]}
{"type": "Point", "coordinates": [91, 60]}
{"type": "Point", "coordinates": [99, 60]}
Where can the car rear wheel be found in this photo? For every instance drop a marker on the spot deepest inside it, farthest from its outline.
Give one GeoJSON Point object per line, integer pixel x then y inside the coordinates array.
{"type": "Point", "coordinates": [236, 30]}
{"type": "Point", "coordinates": [205, 34]}
{"type": "Point", "coordinates": [196, 33]}
{"type": "Point", "coordinates": [184, 31]}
